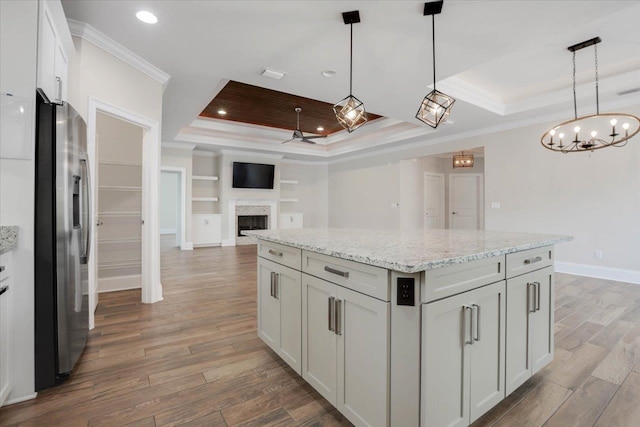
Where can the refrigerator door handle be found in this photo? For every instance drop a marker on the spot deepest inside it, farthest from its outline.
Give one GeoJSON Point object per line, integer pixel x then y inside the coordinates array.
{"type": "Point", "coordinates": [86, 208]}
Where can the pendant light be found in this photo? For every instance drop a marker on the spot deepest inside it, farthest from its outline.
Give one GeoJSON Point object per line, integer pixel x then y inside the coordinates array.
{"type": "Point", "coordinates": [350, 111]}
{"type": "Point", "coordinates": [588, 133]}
{"type": "Point", "coordinates": [462, 160]}
{"type": "Point", "coordinates": [436, 106]}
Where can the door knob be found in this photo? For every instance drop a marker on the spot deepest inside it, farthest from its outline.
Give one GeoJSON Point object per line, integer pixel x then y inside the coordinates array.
{"type": "Point", "coordinates": [99, 223]}
{"type": "Point", "coordinates": [453, 213]}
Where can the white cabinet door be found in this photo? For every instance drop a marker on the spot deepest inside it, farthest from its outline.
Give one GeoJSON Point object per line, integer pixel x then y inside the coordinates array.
{"type": "Point", "coordinates": [6, 329]}
{"type": "Point", "coordinates": [487, 361]}
{"type": "Point", "coordinates": [290, 220]}
{"type": "Point", "coordinates": [61, 70]}
{"type": "Point", "coordinates": [319, 341]}
{"type": "Point", "coordinates": [47, 46]}
{"type": "Point", "coordinates": [542, 320]}
{"type": "Point", "coordinates": [279, 311]}
{"type": "Point", "coordinates": [529, 332]}
{"type": "Point", "coordinates": [445, 362]}
{"type": "Point", "coordinates": [206, 229]}
{"type": "Point", "coordinates": [463, 356]}
{"type": "Point", "coordinates": [363, 358]}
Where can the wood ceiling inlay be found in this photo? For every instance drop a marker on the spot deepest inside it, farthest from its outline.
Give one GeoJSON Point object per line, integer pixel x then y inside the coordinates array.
{"type": "Point", "coordinates": [259, 106]}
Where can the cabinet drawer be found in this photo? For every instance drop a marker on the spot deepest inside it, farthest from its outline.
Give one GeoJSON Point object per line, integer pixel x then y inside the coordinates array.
{"type": "Point", "coordinates": [523, 262]}
{"type": "Point", "coordinates": [451, 280]}
{"type": "Point", "coordinates": [5, 265]}
{"type": "Point", "coordinates": [285, 255]}
{"type": "Point", "coordinates": [366, 279]}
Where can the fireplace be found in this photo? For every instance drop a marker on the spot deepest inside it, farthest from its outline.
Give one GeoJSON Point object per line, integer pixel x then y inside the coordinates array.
{"type": "Point", "coordinates": [252, 222]}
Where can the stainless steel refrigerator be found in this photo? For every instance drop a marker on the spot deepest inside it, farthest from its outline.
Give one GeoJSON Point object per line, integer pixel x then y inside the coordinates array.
{"type": "Point", "coordinates": [62, 233]}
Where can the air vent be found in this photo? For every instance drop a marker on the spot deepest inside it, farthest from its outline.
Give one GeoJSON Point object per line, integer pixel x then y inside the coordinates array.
{"type": "Point", "coordinates": [273, 74]}
{"type": "Point", "coordinates": [628, 91]}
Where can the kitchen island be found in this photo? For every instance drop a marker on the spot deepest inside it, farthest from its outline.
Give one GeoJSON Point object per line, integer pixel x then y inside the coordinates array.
{"type": "Point", "coordinates": [431, 328]}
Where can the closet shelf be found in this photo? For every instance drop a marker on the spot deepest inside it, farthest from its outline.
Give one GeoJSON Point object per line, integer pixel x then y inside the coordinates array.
{"type": "Point", "coordinates": [288, 181]}
{"type": "Point", "coordinates": [204, 178]}
{"type": "Point", "coordinates": [288, 200]}
{"type": "Point", "coordinates": [121, 240]}
{"type": "Point", "coordinates": [118, 214]}
{"type": "Point", "coordinates": [119, 188]}
{"type": "Point", "coordinates": [120, 163]}
{"type": "Point", "coordinates": [204, 199]}
{"type": "Point", "coordinates": [119, 264]}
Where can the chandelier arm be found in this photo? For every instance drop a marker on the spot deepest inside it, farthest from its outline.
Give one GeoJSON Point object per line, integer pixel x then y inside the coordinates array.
{"type": "Point", "coordinates": [575, 104]}
{"type": "Point", "coordinates": [595, 48]}
{"type": "Point", "coordinates": [433, 42]}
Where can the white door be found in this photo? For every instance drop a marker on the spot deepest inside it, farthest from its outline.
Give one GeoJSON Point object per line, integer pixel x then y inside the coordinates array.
{"type": "Point", "coordinates": [465, 195]}
{"type": "Point", "coordinates": [319, 341]}
{"type": "Point", "coordinates": [433, 200]}
{"type": "Point", "coordinates": [363, 358]}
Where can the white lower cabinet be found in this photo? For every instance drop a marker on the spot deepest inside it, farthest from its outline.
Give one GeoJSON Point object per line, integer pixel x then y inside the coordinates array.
{"type": "Point", "coordinates": [279, 320]}
{"type": "Point", "coordinates": [6, 327]}
{"type": "Point", "coordinates": [345, 350]}
{"type": "Point", "coordinates": [207, 229]}
{"type": "Point", "coordinates": [530, 318]}
{"type": "Point", "coordinates": [463, 356]}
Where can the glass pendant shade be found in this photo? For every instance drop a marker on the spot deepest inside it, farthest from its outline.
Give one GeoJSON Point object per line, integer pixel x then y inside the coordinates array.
{"type": "Point", "coordinates": [461, 161]}
{"type": "Point", "coordinates": [435, 108]}
{"type": "Point", "coordinates": [350, 113]}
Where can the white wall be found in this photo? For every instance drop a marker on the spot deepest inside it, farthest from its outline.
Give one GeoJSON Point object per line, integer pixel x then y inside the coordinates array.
{"type": "Point", "coordinates": [182, 158]}
{"type": "Point", "coordinates": [18, 42]}
{"type": "Point", "coordinates": [169, 202]}
{"type": "Point", "coordinates": [594, 197]}
{"type": "Point", "coordinates": [312, 192]}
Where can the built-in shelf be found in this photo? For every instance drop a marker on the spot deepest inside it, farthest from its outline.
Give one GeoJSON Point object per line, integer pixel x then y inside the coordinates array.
{"type": "Point", "coordinates": [119, 188]}
{"type": "Point", "coordinates": [119, 214]}
{"type": "Point", "coordinates": [120, 163]}
{"type": "Point", "coordinates": [288, 200]}
{"type": "Point", "coordinates": [204, 178]}
{"type": "Point", "coordinates": [204, 199]}
{"type": "Point", "coordinates": [119, 264]}
{"type": "Point", "coordinates": [121, 240]}
{"type": "Point", "coordinates": [288, 181]}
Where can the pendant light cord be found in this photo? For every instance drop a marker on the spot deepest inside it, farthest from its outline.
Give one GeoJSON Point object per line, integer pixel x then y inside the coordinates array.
{"type": "Point", "coordinates": [575, 105]}
{"type": "Point", "coordinates": [433, 41]}
{"type": "Point", "coordinates": [351, 63]}
{"type": "Point", "coordinates": [595, 47]}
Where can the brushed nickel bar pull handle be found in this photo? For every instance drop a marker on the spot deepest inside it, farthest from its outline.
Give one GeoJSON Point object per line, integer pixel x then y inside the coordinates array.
{"type": "Point", "coordinates": [477, 309]}
{"type": "Point", "coordinates": [59, 81]}
{"type": "Point", "coordinates": [537, 295]}
{"type": "Point", "coordinates": [276, 285]}
{"type": "Point", "coordinates": [465, 310]}
{"type": "Point", "coordinates": [273, 292]}
{"type": "Point", "coordinates": [344, 274]}
{"type": "Point", "coordinates": [530, 299]}
{"type": "Point", "coordinates": [533, 260]}
{"type": "Point", "coordinates": [331, 300]}
{"type": "Point", "coordinates": [4, 289]}
{"type": "Point", "coordinates": [276, 253]}
{"type": "Point", "coordinates": [338, 317]}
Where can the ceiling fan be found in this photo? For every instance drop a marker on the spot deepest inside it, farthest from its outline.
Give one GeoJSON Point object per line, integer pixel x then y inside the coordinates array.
{"type": "Point", "coordinates": [298, 135]}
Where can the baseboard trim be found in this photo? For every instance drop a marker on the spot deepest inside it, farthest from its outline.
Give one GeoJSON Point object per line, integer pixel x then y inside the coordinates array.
{"type": "Point", "coordinates": [207, 245]}
{"type": "Point", "coordinates": [167, 231]}
{"type": "Point", "coordinates": [187, 246]}
{"type": "Point", "coordinates": [20, 399]}
{"type": "Point", "coordinates": [120, 283]}
{"type": "Point", "coordinates": [228, 242]}
{"type": "Point", "coordinates": [616, 274]}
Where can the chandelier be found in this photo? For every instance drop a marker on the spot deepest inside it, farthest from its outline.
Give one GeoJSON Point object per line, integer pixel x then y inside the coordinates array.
{"type": "Point", "coordinates": [462, 160]}
{"type": "Point", "coordinates": [588, 133]}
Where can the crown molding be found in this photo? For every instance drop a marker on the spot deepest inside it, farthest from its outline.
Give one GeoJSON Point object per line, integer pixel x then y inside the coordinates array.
{"type": "Point", "coordinates": [178, 146]}
{"type": "Point", "coordinates": [90, 34]}
{"type": "Point", "coordinates": [304, 162]}
{"type": "Point", "coordinates": [250, 154]}
{"type": "Point", "coordinates": [205, 153]}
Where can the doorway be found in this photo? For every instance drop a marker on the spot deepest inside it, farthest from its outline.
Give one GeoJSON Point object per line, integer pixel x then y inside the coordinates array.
{"type": "Point", "coordinates": [172, 206]}
{"type": "Point", "coordinates": [433, 200]}
{"type": "Point", "coordinates": [466, 201]}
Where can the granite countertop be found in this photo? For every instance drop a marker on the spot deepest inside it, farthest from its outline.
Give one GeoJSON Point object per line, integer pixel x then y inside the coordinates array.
{"type": "Point", "coordinates": [408, 252]}
{"type": "Point", "coordinates": [8, 238]}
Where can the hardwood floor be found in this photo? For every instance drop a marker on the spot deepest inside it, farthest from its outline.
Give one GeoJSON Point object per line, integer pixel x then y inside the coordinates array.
{"type": "Point", "coordinates": [194, 359]}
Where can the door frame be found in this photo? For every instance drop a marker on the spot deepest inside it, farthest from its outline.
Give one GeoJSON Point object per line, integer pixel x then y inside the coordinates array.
{"type": "Point", "coordinates": [424, 198]}
{"type": "Point", "coordinates": [480, 207]}
{"type": "Point", "coordinates": [182, 175]}
{"type": "Point", "coordinates": [151, 286]}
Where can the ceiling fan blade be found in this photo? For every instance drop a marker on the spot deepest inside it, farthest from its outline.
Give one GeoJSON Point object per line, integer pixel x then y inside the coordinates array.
{"type": "Point", "coordinates": [288, 140]}
{"type": "Point", "coordinates": [315, 137]}
{"type": "Point", "coordinates": [307, 140]}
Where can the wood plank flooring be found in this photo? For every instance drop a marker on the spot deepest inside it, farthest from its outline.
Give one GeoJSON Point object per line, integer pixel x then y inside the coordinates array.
{"type": "Point", "coordinates": [194, 359]}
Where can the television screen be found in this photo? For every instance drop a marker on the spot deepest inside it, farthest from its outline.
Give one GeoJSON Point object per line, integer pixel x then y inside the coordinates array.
{"type": "Point", "coordinates": [252, 175]}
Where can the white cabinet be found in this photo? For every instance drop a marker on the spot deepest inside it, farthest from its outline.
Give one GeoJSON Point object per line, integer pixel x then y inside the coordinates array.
{"type": "Point", "coordinates": [206, 229]}
{"type": "Point", "coordinates": [6, 329]}
{"type": "Point", "coordinates": [279, 319]}
{"type": "Point", "coordinates": [345, 350]}
{"type": "Point", "coordinates": [291, 220]}
{"type": "Point", "coordinates": [463, 358]}
{"type": "Point", "coordinates": [530, 318]}
{"type": "Point", "coordinates": [52, 56]}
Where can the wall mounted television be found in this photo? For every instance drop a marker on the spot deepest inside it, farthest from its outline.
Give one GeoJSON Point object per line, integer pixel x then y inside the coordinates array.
{"type": "Point", "coordinates": [253, 175]}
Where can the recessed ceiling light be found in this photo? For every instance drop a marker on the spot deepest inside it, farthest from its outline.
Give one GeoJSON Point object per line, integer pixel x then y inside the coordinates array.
{"type": "Point", "coordinates": [272, 74]}
{"type": "Point", "coordinates": [320, 129]}
{"type": "Point", "coordinates": [146, 17]}
{"type": "Point", "coordinates": [222, 112]}
{"type": "Point", "coordinates": [328, 73]}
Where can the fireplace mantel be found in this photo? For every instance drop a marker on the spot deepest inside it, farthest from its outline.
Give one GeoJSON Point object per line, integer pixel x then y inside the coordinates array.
{"type": "Point", "coordinates": [231, 216]}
